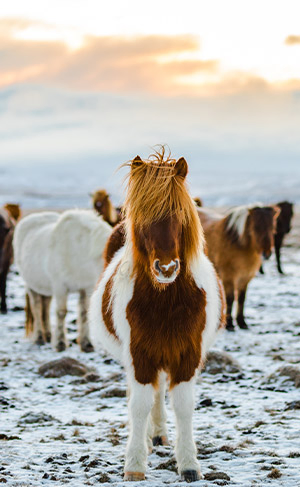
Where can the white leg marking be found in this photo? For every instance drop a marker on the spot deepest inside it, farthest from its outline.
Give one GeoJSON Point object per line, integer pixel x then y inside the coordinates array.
{"type": "Point", "coordinates": [140, 403]}
{"type": "Point", "coordinates": [158, 412]}
{"type": "Point", "coordinates": [182, 397]}
{"type": "Point", "coordinates": [83, 325]}
{"type": "Point", "coordinates": [60, 339]}
{"type": "Point", "coordinates": [46, 300]}
{"type": "Point", "coordinates": [37, 312]}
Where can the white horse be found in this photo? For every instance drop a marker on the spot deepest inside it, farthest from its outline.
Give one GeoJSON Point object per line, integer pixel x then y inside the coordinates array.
{"type": "Point", "coordinates": [158, 307]}
{"type": "Point", "coordinates": [57, 254]}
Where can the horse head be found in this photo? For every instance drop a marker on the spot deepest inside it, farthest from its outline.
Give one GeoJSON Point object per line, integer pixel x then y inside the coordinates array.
{"type": "Point", "coordinates": [262, 226]}
{"type": "Point", "coordinates": [100, 198]}
{"type": "Point", "coordinates": [103, 205]}
{"type": "Point", "coordinates": [283, 224]}
{"type": "Point", "coordinates": [161, 215]}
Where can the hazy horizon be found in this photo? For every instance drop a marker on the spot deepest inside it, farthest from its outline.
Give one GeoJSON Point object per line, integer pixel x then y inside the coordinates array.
{"type": "Point", "coordinates": [80, 95]}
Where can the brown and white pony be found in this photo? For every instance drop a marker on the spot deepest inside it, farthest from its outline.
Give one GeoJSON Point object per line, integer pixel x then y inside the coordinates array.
{"type": "Point", "coordinates": [236, 243]}
{"type": "Point", "coordinates": [7, 225]}
{"type": "Point", "coordinates": [157, 308]}
{"type": "Point", "coordinates": [283, 226]}
{"type": "Point", "coordinates": [104, 206]}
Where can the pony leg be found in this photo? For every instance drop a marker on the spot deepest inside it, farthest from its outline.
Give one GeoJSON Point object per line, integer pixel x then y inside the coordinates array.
{"type": "Point", "coordinates": [240, 314]}
{"type": "Point", "coordinates": [158, 414]}
{"type": "Point", "coordinates": [29, 318]}
{"type": "Point", "coordinates": [46, 301]}
{"type": "Point", "coordinates": [3, 279]}
{"type": "Point", "coordinates": [278, 243]}
{"type": "Point", "coordinates": [182, 397]}
{"type": "Point", "coordinates": [140, 403]}
{"type": "Point", "coordinates": [229, 291]}
{"type": "Point", "coordinates": [36, 309]}
{"type": "Point", "coordinates": [60, 340]}
{"type": "Point", "coordinates": [83, 338]}
{"type": "Point", "coordinates": [3, 308]}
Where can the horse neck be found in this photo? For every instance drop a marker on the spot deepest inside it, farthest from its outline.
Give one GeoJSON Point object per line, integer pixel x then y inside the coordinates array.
{"type": "Point", "coordinates": [244, 241]}
{"type": "Point", "coordinates": [249, 240]}
{"type": "Point", "coordinates": [111, 217]}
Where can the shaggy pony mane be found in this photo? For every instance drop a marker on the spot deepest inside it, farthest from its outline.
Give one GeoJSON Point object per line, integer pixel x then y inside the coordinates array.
{"type": "Point", "coordinates": [156, 190]}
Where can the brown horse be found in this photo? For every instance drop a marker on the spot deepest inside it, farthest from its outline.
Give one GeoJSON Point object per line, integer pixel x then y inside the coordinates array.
{"type": "Point", "coordinates": [283, 226]}
{"type": "Point", "coordinates": [7, 226]}
{"type": "Point", "coordinates": [235, 245]}
{"type": "Point", "coordinates": [157, 307]}
{"type": "Point", "coordinates": [103, 205]}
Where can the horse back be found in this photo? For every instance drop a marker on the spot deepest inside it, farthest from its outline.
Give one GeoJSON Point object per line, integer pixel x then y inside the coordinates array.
{"type": "Point", "coordinates": [208, 217]}
{"type": "Point", "coordinates": [233, 260]}
{"type": "Point", "coordinates": [31, 243]}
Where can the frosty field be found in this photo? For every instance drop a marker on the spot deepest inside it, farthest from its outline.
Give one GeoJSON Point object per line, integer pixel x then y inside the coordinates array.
{"type": "Point", "coordinates": [73, 430]}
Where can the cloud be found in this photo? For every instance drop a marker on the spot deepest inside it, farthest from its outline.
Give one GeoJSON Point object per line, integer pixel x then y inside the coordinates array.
{"type": "Point", "coordinates": [130, 65]}
{"type": "Point", "coordinates": [292, 40]}
{"type": "Point", "coordinates": [151, 63]}
{"type": "Point", "coordinates": [10, 26]}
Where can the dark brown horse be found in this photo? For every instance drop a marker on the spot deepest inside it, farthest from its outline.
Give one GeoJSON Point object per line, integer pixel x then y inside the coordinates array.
{"type": "Point", "coordinates": [7, 226]}
{"type": "Point", "coordinates": [283, 226]}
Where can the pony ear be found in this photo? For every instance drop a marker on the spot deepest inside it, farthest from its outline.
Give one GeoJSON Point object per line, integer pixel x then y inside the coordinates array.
{"type": "Point", "coordinates": [181, 167]}
{"type": "Point", "coordinates": [136, 162]}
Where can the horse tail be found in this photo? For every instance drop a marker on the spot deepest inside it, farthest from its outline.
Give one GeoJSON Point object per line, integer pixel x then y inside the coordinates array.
{"type": "Point", "coordinates": [28, 316]}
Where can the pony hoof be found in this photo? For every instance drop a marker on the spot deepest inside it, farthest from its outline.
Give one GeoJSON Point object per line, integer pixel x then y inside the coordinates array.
{"type": "Point", "coordinates": [243, 326]}
{"type": "Point", "coordinates": [191, 475]}
{"type": "Point", "coordinates": [160, 440]}
{"type": "Point", "coordinates": [229, 327]}
{"type": "Point", "coordinates": [48, 337]}
{"type": "Point", "coordinates": [4, 311]}
{"type": "Point", "coordinates": [86, 347]}
{"type": "Point", "coordinates": [134, 476]}
{"type": "Point", "coordinates": [61, 346]}
{"type": "Point", "coordinates": [39, 340]}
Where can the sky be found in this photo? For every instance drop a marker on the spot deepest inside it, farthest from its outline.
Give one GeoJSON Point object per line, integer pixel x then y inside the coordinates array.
{"type": "Point", "coordinates": [94, 82]}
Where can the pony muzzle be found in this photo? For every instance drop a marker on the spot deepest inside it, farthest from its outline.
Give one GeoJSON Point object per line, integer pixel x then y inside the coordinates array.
{"type": "Point", "coordinates": [166, 273]}
{"type": "Point", "coordinates": [267, 254]}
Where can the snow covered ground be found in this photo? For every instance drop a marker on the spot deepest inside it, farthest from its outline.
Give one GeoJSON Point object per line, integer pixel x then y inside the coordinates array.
{"type": "Point", "coordinates": [57, 431]}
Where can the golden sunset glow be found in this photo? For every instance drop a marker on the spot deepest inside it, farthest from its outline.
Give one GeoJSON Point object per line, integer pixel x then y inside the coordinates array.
{"type": "Point", "coordinates": [93, 77]}
{"type": "Point", "coordinates": [198, 45]}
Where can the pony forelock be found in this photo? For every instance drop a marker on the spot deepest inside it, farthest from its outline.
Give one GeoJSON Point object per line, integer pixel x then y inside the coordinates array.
{"type": "Point", "coordinates": [155, 191]}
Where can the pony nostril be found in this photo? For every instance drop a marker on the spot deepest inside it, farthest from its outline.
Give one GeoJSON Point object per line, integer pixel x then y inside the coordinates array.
{"type": "Point", "coordinates": [156, 266]}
